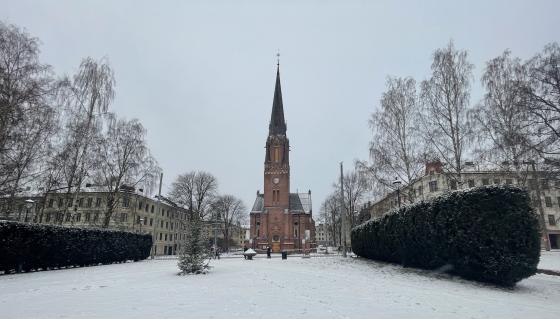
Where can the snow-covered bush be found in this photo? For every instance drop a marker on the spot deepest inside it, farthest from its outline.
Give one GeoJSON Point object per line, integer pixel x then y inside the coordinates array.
{"type": "Point", "coordinates": [489, 234]}
{"type": "Point", "coordinates": [194, 255]}
{"type": "Point", "coordinates": [34, 246]}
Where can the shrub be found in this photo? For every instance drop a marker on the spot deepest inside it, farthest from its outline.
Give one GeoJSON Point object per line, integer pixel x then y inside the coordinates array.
{"type": "Point", "coordinates": [488, 234]}
{"type": "Point", "coordinates": [33, 246]}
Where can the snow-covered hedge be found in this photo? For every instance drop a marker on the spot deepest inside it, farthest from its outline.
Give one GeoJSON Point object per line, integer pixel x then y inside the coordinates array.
{"type": "Point", "coordinates": [489, 234]}
{"type": "Point", "coordinates": [33, 246]}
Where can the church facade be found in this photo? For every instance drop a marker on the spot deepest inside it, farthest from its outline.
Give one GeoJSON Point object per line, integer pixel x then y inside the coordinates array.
{"type": "Point", "coordinates": [280, 219]}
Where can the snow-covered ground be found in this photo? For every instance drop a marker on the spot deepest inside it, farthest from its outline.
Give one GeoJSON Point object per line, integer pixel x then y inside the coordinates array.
{"type": "Point", "coordinates": [329, 287]}
{"type": "Point", "coordinates": [550, 260]}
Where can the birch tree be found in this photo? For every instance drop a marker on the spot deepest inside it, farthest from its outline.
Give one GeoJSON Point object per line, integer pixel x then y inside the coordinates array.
{"type": "Point", "coordinates": [445, 98]}
{"type": "Point", "coordinates": [396, 150]}
{"type": "Point", "coordinates": [501, 116]}
{"type": "Point", "coordinates": [123, 161]}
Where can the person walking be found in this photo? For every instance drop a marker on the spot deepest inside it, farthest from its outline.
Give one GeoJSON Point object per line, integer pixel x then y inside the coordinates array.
{"type": "Point", "coordinates": [268, 251]}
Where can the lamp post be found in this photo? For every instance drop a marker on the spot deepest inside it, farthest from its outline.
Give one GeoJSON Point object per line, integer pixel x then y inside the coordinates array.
{"type": "Point", "coordinates": [397, 184]}
{"type": "Point", "coordinates": [28, 205]}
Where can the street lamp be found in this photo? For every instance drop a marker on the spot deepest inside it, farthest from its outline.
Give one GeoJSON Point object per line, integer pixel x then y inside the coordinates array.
{"type": "Point", "coordinates": [397, 184]}
{"type": "Point", "coordinates": [28, 204]}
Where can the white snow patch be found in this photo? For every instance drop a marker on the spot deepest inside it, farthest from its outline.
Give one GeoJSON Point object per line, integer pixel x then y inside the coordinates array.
{"type": "Point", "coordinates": [329, 287]}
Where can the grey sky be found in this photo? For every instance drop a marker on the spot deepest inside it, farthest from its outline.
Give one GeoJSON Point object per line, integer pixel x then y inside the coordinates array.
{"type": "Point", "coordinates": [200, 77]}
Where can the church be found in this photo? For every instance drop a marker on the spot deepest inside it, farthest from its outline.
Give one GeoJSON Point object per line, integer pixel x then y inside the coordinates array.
{"type": "Point", "coordinates": [280, 219]}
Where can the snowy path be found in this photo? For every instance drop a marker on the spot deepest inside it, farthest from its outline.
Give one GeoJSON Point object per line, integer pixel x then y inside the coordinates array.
{"type": "Point", "coordinates": [296, 288]}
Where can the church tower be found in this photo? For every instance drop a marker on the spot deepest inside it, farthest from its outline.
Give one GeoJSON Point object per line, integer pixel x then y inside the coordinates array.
{"type": "Point", "coordinates": [277, 158]}
{"type": "Point", "coordinates": [279, 219]}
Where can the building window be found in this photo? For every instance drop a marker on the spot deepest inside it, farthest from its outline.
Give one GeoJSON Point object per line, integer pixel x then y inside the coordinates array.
{"type": "Point", "coordinates": [60, 202]}
{"type": "Point", "coordinates": [162, 212]}
{"type": "Point", "coordinates": [125, 202]}
{"type": "Point", "coordinates": [548, 201]}
{"type": "Point", "coordinates": [296, 229]}
{"type": "Point", "coordinates": [140, 205]}
{"type": "Point", "coordinates": [123, 217]}
{"type": "Point", "coordinates": [51, 202]}
{"type": "Point", "coordinates": [146, 208]}
{"type": "Point", "coordinates": [81, 202]}
{"type": "Point", "coordinates": [433, 186]}
{"type": "Point", "coordinates": [49, 215]}
{"type": "Point", "coordinates": [161, 224]}
{"type": "Point", "coordinates": [545, 184]}
{"type": "Point", "coordinates": [258, 229]}
{"type": "Point", "coordinates": [98, 202]}
{"type": "Point", "coordinates": [68, 217]}
{"type": "Point", "coordinates": [79, 217]}
{"type": "Point", "coordinates": [551, 220]}
{"type": "Point", "coordinates": [165, 237]}
{"type": "Point", "coordinates": [151, 221]}
{"type": "Point", "coordinates": [471, 182]}
{"type": "Point", "coordinates": [167, 213]}
{"type": "Point", "coordinates": [485, 181]}
{"type": "Point", "coordinates": [88, 217]}
{"type": "Point", "coordinates": [95, 217]}
{"type": "Point", "coordinates": [420, 190]}
{"type": "Point", "coordinates": [152, 210]}
{"type": "Point", "coordinates": [160, 236]}
{"type": "Point", "coordinates": [532, 184]}
{"type": "Point", "coordinates": [70, 202]}
{"type": "Point", "coordinates": [166, 225]}
{"type": "Point", "coordinates": [276, 154]}
{"type": "Point", "coordinates": [453, 185]}
{"type": "Point", "coordinates": [89, 202]}
{"type": "Point", "coordinates": [509, 181]}
{"type": "Point", "coordinates": [145, 220]}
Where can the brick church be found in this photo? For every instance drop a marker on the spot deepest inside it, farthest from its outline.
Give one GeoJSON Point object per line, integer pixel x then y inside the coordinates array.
{"type": "Point", "coordinates": [280, 219]}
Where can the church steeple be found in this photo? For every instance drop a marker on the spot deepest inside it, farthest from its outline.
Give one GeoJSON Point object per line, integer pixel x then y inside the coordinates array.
{"type": "Point", "coordinates": [277, 124]}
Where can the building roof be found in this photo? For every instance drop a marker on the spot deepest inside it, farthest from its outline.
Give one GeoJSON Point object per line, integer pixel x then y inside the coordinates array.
{"type": "Point", "coordinates": [299, 203]}
{"type": "Point", "coordinates": [277, 124]}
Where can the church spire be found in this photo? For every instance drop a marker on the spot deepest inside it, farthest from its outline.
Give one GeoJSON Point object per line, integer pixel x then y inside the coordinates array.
{"type": "Point", "coordinates": [277, 124]}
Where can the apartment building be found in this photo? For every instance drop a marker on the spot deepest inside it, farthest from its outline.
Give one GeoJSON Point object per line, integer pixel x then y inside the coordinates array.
{"type": "Point", "coordinates": [435, 182]}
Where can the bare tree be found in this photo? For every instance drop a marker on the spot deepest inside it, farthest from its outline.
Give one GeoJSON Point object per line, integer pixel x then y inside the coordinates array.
{"type": "Point", "coordinates": [195, 191]}
{"type": "Point", "coordinates": [331, 215]}
{"type": "Point", "coordinates": [445, 96]}
{"type": "Point", "coordinates": [501, 117]}
{"type": "Point", "coordinates": [541, 96]}
{"type": "Point", "coordinates": [396, 150]}
{"type": "Point", "coordinates": [27, 117]}
{"type": "Point", "coordinates": [230, 212]}
{"type": "Point", "coordinates": [85, 97]}
{"type": "Point", "coordinates": [355, 188]}
{"type": "Point", "coordinates": [124, 161]}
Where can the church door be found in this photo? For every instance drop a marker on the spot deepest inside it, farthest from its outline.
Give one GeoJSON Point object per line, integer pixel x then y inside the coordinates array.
{"type": "Point", "coordinates": [275, 244]}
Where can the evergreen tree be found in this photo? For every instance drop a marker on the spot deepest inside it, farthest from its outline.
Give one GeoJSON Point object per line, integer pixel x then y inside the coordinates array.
{"type": "Point", "coordinates": [194, 256]}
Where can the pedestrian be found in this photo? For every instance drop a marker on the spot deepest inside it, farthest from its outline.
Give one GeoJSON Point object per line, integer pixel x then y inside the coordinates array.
{"type": "Point", "coordinates": [268, 251]}
{"type": "Point", "coordinates": [244, 250]}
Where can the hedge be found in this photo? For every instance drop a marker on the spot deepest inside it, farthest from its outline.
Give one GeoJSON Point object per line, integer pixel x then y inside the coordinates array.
{"type": "Point", "coordinates": [34, 246]}
{"type": "Point", "coordinates": [489, 234]}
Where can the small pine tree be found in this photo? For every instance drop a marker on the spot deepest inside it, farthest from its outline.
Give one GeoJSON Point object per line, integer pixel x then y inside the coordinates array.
{"type": "Point", "coordinates": [194, 256]}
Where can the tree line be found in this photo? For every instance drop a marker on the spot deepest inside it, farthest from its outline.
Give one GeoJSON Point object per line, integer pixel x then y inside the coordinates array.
{"type": "Point", "coordinates": [59, 134]}
{"type": "Point", "coordinates": [516, 123]}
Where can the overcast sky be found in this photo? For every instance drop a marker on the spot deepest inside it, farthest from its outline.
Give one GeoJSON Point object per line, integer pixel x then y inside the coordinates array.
{"type": "Point", "coordinates": [200, 77]}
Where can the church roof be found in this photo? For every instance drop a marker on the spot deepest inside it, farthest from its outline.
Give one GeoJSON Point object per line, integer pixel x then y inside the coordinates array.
{"type": "Point", "coordinates": [277, 124]}
{"type": "Point", "coordinates": [299, 203]}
